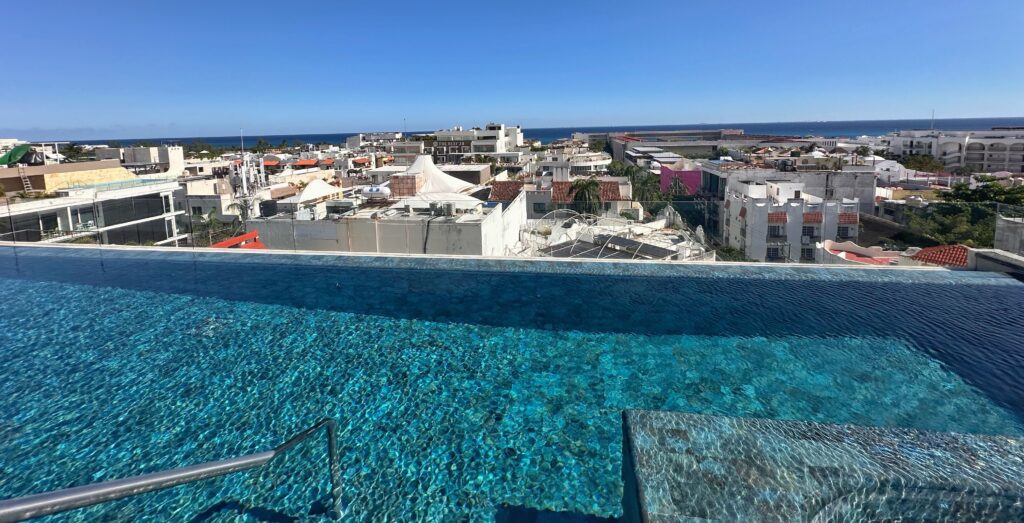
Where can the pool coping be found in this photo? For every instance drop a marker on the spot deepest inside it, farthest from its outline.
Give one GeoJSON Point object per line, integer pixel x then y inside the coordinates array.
{"type": "Point", "coordinates": [462, 257]}
{"type": "Point", "coordinates": [830, 467]}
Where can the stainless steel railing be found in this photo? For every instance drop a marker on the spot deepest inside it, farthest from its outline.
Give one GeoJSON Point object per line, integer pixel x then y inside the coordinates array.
{"type": "Point", "coordinates": [36, 505]}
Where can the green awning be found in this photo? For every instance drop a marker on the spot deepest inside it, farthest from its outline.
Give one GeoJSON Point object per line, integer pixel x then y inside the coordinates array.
{"type": "Point", "coordinates": [15, 154]}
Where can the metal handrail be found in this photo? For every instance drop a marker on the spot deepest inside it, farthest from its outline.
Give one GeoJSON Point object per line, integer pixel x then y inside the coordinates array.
{"type": "Point", "coordinates": [36, 505]}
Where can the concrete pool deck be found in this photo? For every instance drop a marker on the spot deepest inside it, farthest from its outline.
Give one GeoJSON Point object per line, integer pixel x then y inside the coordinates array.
{"type": "Point", "coordinates": [692, 467]}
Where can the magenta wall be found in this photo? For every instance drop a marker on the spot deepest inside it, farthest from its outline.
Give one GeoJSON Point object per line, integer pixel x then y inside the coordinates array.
{"type": "Point", "coordinates": [691, 179]}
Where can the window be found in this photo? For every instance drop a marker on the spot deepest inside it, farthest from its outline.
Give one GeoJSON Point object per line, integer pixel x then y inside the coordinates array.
{"type": "Point", "coordinates": [774, 253]}
{"type": "Point", "coordinates": [540, 208]}
{"type": "Point", "coordinates": [806, 253]}
{"type": "Point", "coordinates": [774, 231]}
{"type": "Point", "coordinates": [197, 211]}
{"type": "Point", "coordinates": [807, 230]}
{"type": "Point", "coordinates": [796, 194]}
{"type": "Point", "coordinates": [845, 232]}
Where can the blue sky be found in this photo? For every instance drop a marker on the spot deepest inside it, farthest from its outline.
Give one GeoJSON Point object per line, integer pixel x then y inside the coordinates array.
{"type": "Point", "coordinates": [183, 68]}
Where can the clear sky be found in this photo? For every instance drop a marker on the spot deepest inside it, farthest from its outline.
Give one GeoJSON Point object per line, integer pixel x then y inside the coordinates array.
{"type": "Point", "coordinates": [185, 68]}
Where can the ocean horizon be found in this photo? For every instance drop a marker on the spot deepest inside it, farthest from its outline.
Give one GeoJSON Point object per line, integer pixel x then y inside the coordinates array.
{"type": "Point", "coordinates": [828, 129]}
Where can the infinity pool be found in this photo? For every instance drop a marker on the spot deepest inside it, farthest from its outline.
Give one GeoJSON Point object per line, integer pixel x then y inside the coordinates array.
{"type": "Point", "coordinates": [460, 385]}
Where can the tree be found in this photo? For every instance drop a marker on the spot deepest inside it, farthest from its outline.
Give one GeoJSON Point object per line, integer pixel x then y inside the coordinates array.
{"type": "Point", "coordinates": [956, 223]}
{"type": "Point", "coordinates": [677, 188]}
{"type": "Point", "coordinates": [598, 146]}
{"type": "Point", "coordinates": [963, 170]}
{"type": "Point", "coordinates": [723, 151]}
{"type": "Point", "coordinates": [283, 144]}
{"type": "Point", "coordinates": [586, 195]}
{"type": "Point", "coordinates": [809, 148]}
{"type": "Point", "coordinates": [261, 146]}
{"type": "Point", "coordinates": [923, 162]}
{"type": "Point", "coordinates": [646, 187]}
{"type": "Point", "coordinates": [72, 152]}
{"type": "Point", "coordinates": [988, 190]}
{"type": "Point", "coordinates": [862, 151]}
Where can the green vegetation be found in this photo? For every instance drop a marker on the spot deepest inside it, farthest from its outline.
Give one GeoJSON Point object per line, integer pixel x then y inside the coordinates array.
{"type": "Point", "coordinates": [922, 162]}
{"type": "Point", "coordinates": [72, 152]}
{"type": "Point", "coordinates": [965, 215]}
{"type": "Point", "coordinates": [731, 254]}
{"type": "Point", "coordinates": [862, 151]}
{"type": "Point", "coordinates": [988, 190]}
{"type": "Point", "coordinates": [586, 195]}
{"type": "Point", "coordinates": [599, 146]}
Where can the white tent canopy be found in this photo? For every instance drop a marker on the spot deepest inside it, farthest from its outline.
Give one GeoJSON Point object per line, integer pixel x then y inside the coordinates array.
{"type": "Point", "coordinates": [435, 180]}
{"type": "Point", "coordinates": [316, 190]}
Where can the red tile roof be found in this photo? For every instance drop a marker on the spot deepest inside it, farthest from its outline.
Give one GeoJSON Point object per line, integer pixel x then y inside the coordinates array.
{"type": "Point", "coordinates": [812, 217]}
{"type": "Point", "coordinates": [271, 163]}
{"type": "Point", "coordinates": [776, 217]}
{"type": "Point", "coordinates": [327, 161]}
{"type": "Point", "coordinates": [947, 255]}
{"type": "Point", "coordinates": [305, 163]}
{"type": "Point", "coordinates": [561, 192]}
{"type": "Point", "coordinates": [505, 190]}
{"type": "Point", "coordinates": [361, 160]}
{"type": "Point", "coordinates": [847, 218]}
{"type": "Point", "coordinates": [610, 192]}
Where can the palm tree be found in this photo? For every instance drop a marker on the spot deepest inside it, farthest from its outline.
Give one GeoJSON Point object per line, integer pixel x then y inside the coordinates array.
{"type": "Point", "coordinates": [586, 195]}
{"type": "Point", "coordinates": [677, 187]}
{"type": "Point", "coordinates": [244, 209]}
{"type": "Point", "coordinates": [646, 187]}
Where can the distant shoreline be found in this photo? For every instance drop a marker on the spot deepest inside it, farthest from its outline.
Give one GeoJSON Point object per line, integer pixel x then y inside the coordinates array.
{"type": "Point", "coordinates": [831, 129]}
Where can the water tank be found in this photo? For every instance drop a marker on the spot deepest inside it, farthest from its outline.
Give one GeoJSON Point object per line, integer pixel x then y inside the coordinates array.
{"type": "Point", "coordinates": [449, 209]}
{"type": "Point", "coordinates": [376, 192]}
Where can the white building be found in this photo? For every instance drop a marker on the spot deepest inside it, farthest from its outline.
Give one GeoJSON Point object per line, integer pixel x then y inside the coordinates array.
{"type": "Point", "coordinates": [169, 159]}
{"type": "Point", "coordinates": [136, 212]}
{"type": "Point", "coordinates": [777, 221]}
{"type": "Point", "coordinates": [450, 145]}
{"type": "Point", "coordinates": [980, 151]}
{"type": "Point", "coordinates": [574, 162]}
{"type": "Point", "coordinates": [421, 210]}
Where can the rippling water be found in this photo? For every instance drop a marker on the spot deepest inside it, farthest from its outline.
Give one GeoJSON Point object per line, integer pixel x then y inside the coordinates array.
{"type": "Point", "coordinates": [458, 391]}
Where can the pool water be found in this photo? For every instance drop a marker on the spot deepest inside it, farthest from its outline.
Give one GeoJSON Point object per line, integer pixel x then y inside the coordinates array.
{"type": "Point", "coordinates": [464, 388]}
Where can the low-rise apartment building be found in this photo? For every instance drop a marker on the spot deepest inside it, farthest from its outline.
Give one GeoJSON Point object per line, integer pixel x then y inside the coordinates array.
{"type": "Point", "coordinates": [96, 202]}
{"type": "Point", "coordinates": [1000, 149]}
{"type": "Point", "coordinates": [777, 221]}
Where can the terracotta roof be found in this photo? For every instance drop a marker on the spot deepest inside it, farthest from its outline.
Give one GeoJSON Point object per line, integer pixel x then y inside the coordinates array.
{"type": "Point", "coordinates": [505, 190]}
{"type": "Point", "coordinates": [304, 163]}
{"type": "Point", "coordinates": [776, 217]}
{"type": "Point", "coordinates": [610, 192]}
{"type": "Point", "coordinates": [948, 255]}
{"type": "Point", "coordinates": [361, 160]}
{"type": "Point", "coordinates": [327, 161]}
{"type": "Point", "coordinates": [847, 218]}
{"type": "Point", "coordinates": [561, 192]}
{"type": "Point", "coordinates": [271, 163]}
{"type": "Point", "coordinates": [812, 217]}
